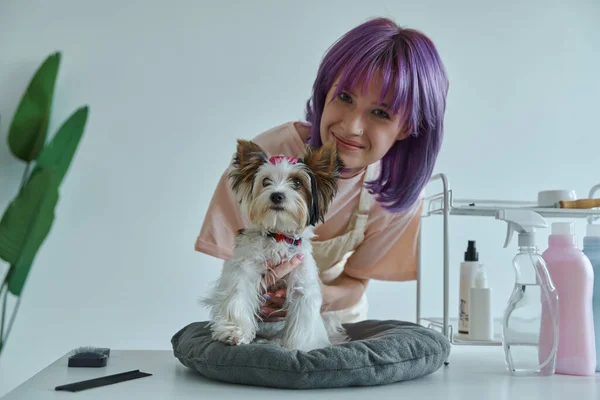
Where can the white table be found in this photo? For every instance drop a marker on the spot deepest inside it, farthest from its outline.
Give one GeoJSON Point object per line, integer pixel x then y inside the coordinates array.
{"type": "Point", "coordinates": [473, 373]}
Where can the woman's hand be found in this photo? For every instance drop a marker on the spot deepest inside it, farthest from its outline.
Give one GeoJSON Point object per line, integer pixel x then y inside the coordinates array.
{"type": "Point", "coordinates": [272, 310]}
{"type": "Point", "coordinates": [275, 293]}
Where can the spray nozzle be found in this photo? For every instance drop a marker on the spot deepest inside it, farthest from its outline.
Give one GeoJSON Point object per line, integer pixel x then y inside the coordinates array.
{"type": "Point", "coordinates": [480, 281]}
{"type": "Point", "coordinates": [471, 254]}
{"type": "Point", "coordinates": [522, 221]}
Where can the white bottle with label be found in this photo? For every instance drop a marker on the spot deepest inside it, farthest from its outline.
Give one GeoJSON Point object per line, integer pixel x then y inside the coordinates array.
{"type": "Point", "coordinates": [481, 323]}
{"type": "Point", "coordinates": [468, 268]}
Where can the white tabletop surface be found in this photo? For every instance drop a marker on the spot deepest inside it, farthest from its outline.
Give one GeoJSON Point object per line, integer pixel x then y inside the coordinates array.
{"type": "Point", "coordinates": [473, 373]}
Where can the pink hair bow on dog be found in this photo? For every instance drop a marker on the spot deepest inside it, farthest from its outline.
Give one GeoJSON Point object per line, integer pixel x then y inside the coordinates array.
{"type": "Point", "coordinates": [278, 159]}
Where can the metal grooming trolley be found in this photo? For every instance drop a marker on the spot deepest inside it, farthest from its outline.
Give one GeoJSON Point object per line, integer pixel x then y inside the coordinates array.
{"type": "Point", "coordinates": [444, 204]}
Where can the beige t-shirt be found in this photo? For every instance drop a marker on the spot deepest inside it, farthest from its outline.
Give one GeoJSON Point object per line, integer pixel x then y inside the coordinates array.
{"type": "Point", "coordinates": [389, 251]}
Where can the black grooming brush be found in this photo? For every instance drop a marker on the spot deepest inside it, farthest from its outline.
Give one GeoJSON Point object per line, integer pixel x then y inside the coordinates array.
{"type": "Point", "coordinates": [89, 356]}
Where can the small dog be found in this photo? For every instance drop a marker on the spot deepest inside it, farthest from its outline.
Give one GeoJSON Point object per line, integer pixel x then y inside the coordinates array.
{"type": "Point", "coordinates": [283, 199]}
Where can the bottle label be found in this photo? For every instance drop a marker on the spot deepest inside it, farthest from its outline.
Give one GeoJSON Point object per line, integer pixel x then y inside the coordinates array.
{"type": "Point", "coordinates": [463, 324]}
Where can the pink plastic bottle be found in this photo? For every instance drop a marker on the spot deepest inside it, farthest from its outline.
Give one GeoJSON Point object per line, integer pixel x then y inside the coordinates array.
{"type": "Point", "coordinates": [573, 275]}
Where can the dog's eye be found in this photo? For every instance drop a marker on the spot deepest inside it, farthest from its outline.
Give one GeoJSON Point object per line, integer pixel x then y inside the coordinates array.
{"type": "Point", "coordinates": [296, 184]}
{"type": "Point", "coordinates": [266, 182]}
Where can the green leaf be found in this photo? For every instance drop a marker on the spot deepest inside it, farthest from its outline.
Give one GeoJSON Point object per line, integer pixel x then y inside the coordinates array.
{"type": "Point", "coordinates": [28, 129]}
{"type": "Point", "coordinates": [25, 225]}
{"type": "Point", "coordinates": [59, 153]}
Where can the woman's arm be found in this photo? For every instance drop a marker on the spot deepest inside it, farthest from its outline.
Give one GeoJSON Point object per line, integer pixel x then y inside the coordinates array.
{"type": "Point", "coordinates": [343, 292]}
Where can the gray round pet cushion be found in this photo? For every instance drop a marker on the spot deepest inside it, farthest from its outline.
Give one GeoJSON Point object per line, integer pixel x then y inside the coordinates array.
{"type": "Point", "coordinates": [379, 352]}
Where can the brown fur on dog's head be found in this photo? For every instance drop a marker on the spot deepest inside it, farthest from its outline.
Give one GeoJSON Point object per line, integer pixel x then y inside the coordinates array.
{"type": "Point", "coordinates": [325, 166]}
{"type": "Point", "coordinates": [248, 159]}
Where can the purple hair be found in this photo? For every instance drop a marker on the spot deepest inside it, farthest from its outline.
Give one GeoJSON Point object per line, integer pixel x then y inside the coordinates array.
{"type": "Point", "coordinates": [413, 71]}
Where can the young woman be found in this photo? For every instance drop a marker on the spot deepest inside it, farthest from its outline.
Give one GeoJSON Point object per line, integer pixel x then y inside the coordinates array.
{"type": "Point", "coordinates": [380, 94]}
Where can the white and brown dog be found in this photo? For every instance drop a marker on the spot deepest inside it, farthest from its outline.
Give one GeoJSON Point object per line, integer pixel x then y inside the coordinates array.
{"type": "Point", "coordinates": [283, 199]}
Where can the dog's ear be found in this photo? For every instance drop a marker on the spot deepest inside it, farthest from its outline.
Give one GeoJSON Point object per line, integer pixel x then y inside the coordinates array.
{"type": "Point", "coordinates": [248, 158]}
{"type": "Point", "coordinates": [248, 154]}
{"type": "Point", "coordinates": [324, 165]}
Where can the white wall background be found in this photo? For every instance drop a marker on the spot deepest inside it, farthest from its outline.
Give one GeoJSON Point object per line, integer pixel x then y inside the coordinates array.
{"type": "Point", "coordinates": [172, 84]}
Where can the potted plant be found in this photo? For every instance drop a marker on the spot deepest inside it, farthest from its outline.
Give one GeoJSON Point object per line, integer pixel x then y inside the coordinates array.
{"type": "Point", "coordinates": [27, 220]}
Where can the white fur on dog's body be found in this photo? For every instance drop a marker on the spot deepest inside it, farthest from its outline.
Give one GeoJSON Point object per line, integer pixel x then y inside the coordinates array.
{"type": "Point", "coordinates": [235, 301]}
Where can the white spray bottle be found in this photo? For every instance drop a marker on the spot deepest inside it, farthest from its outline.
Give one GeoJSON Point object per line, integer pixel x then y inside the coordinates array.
{"type": "Point", "coordinates": [530, 321]}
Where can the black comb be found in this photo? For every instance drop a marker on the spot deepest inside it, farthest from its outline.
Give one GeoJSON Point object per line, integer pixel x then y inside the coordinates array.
{"type": "Point", "coordinates": [102, 381]}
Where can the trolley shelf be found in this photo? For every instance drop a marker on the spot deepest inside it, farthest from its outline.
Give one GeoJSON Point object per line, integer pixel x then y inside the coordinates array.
{"type": "Point", "coordinates": [444, 204]}
{"type": "Point", "coordinates": [488, 208]}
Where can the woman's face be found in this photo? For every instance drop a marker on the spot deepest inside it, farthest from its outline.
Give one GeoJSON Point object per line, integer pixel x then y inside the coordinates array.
{"type": "Point", "coordinates": [363, 129]}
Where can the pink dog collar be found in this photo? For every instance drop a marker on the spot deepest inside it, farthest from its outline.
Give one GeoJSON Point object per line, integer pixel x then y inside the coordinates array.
{"type": "Point", "coordinates": [278, 159]}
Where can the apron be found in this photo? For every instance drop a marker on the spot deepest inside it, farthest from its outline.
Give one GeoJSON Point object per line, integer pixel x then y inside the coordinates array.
{"type": "Point", "coordinates": [331, 255]}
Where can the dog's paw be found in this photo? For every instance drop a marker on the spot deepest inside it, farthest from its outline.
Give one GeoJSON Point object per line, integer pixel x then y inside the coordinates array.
{"type": "Point", "coordinates": [234, 336]}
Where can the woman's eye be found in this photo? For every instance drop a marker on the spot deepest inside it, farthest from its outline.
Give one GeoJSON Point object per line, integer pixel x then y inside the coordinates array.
{"type": "Point", "coordinates": [266, 182]}
{"type": "Point", "coordinates": [296, 183]}
{"type": "Point", "coordinates": [345, 97]}
{"type": "Point", "coordinates": [382, 114]}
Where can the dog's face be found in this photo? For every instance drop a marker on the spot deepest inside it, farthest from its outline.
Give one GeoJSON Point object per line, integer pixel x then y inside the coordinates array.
{"type": "Point", "coordinates": [281, 193]}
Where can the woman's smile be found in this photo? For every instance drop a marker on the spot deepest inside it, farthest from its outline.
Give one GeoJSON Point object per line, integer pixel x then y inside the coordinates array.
{"type": "Point", "coordinates": [346, 144]}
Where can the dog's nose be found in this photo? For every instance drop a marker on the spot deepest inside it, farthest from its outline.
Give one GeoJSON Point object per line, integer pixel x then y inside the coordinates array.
{"type": "Point", "coordinates": [277, 197]}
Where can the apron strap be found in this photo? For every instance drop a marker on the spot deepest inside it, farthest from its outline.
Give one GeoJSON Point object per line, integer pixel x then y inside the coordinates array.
{"type": "Point", "coordinates": [364, 204]}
